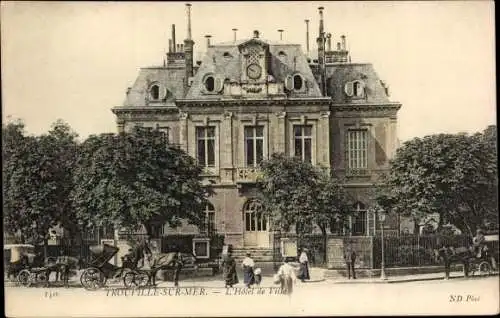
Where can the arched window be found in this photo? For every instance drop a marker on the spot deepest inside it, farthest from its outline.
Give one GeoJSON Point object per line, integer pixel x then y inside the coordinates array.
{"type": "Point", "coordinates": [154, 92]}
{"type": "Point", "coordinates": [298, 82]}
{"type": "Point", "coordinates": [358, 89]}
{"type": "Point", "coordinates": [359, 220]}
{"type": "Point", "coordinates": [210, 83]}
{"type": "Point", "coordinates": [210, 219]}
{"type": "Point", "coordinates": [255, 220]}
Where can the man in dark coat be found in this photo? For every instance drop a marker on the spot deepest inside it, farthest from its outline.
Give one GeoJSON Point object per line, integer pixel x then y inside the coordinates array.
{"type": "Point", "coordinates": [141, 251]}
{"type": "Point", "coordinates": [350, 259]}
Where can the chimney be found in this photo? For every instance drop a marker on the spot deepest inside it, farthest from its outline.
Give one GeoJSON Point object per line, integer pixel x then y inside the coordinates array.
{"type": "Point", "coordinates": [338, 46]}
{"type": "Point", "coordinates": [255, 34]}
{"type": "Point", "coordinates": [307, 36]}
{"type": "Point", "coordinates": [329, 41]}
{"type": "Point", "coordinates": [281, 34]}
{"type": "Point", "coordinates": [188, 47]}
{"type": "Point", "coordinates": [234, 32]}
{"type": "Point", "coordinates": [188, 10]}
{"type": "Point", "coordinates": [321, 51]}
{"type": "Point", "coordinates": [169, 45]}
{"type": "Point", "coordinates": [173, 37]}
{"type": "Point", "coordinates": [343, 42]}
{"type": "Point", "coordinates": [321, 28]}
{"type": "Point", "coordinates": [208, 36]}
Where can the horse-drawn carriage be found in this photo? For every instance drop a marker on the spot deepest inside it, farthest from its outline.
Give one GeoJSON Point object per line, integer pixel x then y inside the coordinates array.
{"type": "Point", "coordinates": [28, 267]}
{"type": "Point", "coordinates": [99, 269]}
{"type": "Point", "coordinates": [481, 261]}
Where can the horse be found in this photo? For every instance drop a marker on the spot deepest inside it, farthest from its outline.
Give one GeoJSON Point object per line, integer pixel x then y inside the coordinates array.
{"type": "Point", "coordinates": [450, 255]}
{"type": "Point", "coordinates": [62, 266]}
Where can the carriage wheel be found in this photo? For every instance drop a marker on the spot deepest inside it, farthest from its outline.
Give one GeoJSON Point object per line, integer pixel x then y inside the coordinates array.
{"type": "Point", "coordinates": [135, 279]}
{"type": "Point", "coordinates": [24, 278]}
{"type": "Point", "coordinates": [484, 268]}
{"type": "Point", "coordinates": [92, 279]}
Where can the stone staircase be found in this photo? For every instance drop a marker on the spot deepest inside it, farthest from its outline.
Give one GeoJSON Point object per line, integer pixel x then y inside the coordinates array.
{"type": "Point", "coordinates": [258, 254]}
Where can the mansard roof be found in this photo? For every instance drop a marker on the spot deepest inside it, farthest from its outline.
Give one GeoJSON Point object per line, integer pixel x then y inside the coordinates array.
{"type": "Point", "coordinates": [340, 74]}
{"type": "Point", "coordinates": [225, 60]}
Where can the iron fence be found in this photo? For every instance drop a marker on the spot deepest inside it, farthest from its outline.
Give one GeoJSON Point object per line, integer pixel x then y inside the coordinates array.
{"type": "Point", "coordinates": [413, 250]}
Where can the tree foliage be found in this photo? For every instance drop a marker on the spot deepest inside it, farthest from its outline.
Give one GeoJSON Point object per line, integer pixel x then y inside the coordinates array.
{"type": "Point", "coordinates": [454, 175]}
{"type": "Point", "coordinates": [37, 179]}
{"type": "Point", "coordinates": [296, 192]}
{"type": "Point", "coordinates": [136, 179]}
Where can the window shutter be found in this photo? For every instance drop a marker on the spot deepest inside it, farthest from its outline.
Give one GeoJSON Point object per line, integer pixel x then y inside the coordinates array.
{"type": "Point", "coordinates": [218, 85]}
{"type": "Point", "coordinates": [163, 92]}
{"type": "Point", "coordinates": [349, 89]}
{"type": "Point", "coordinates": [289, 82]}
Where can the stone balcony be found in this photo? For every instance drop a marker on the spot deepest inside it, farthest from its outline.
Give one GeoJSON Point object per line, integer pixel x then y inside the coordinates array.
{"type": "Point", "coordinates": [247, 174]}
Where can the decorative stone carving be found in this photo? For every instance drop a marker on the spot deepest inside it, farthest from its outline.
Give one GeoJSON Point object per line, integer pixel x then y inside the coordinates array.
{"type": "Point", "coordinates": [325, 115]}
{"type": "Point", "coordinates": [228, 115]}
{"type": "Point", "coordinates": [183, 115]}
{"type": "Point", "coordinates": [281, 115]}
{"type": "Point", "coordinates": [206, 120]}
{"type": "Point", "coordinates": [303, 119]}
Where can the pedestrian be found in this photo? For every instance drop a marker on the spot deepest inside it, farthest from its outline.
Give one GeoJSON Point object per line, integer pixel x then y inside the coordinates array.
{"type": "Point", "coordinates": [258, 276]}
{"type": "Point", "coordinates": [286, 276]}
{"type": "Point", "coordinates": [478, 243]}
{"type": "Point", "coordinates": [350, 259]}
{"type": "Point", "coordinates": [304, 266]}
{"type": "Point", "coordinates": [248, 265]}
{"type": "Point", "coordinates": [178, 263]}
{"type": "Point", "coordinates": [229, 270]}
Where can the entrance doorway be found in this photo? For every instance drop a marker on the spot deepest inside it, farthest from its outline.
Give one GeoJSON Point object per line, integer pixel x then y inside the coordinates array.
{"type": "Point", "coordinates": [255, 225]}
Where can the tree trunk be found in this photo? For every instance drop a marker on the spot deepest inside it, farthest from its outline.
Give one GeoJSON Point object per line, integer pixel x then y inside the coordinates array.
{"type": "Point", "coordinates": [325, 243]}
{"type": "Point", "coordinates": [45, 248]}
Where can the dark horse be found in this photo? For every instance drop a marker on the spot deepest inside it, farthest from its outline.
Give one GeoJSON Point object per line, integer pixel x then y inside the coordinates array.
{"type": "Point", "coordinates": [62, 266]}
{"type": "Point", "coordinates": [451, 255]}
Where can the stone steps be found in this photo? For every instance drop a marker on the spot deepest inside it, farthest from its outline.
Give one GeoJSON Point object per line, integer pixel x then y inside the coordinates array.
{"type": "Point", "coordinates": [257, 254]}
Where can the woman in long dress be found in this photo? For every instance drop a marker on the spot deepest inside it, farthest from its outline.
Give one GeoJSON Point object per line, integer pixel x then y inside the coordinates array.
{"type": "Point", "coordinates": [229, 270]}
{"type": "Point", "coordinates": [286, 274]}
{"type": "Point", "coordinates": [248, 266]}
{"type": "Point", "coordinates": [304, 265]}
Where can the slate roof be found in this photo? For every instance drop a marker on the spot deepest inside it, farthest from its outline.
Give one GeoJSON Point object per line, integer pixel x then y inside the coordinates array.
{"type": "Point", "coordinates": [285, 59]}
{"type": "Point", "coordinates": [228, 67]}
{"type": "Point", "coordinates": [339, 74]}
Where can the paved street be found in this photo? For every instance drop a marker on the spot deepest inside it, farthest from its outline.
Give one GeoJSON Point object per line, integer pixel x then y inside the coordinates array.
{"type": "Point", "coordinates": [195, 298]}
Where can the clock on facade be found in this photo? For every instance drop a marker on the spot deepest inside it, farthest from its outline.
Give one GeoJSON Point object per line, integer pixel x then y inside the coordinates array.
{"type": "Point", "coordinates": [254, 71]}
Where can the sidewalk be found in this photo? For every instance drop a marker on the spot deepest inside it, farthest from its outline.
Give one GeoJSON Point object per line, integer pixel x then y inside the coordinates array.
{"type": "Point", "coordinates": [404, 278]}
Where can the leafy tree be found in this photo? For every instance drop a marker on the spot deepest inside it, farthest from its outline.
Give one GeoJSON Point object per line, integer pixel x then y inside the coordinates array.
{"type": "Point", "coordinates": [37, 179]}
{"type": "Point", "coordinates": [137, 179]}
{"type": "Point", "coordinates": [454, 175]}
{"type": "Point", "coordinates": [296, 192]}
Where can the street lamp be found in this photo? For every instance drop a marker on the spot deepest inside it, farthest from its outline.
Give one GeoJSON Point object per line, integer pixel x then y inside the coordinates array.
{"type": "Point", "coordinates": [381, 218]}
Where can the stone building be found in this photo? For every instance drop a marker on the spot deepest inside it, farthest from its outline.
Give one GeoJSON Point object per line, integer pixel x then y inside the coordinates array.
{"type": "Point", "coordinates": [249, 98]}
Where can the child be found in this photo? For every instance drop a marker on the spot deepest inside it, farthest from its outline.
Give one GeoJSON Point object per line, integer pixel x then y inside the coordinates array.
{"type": "Point", "coordinates": [258, 276]}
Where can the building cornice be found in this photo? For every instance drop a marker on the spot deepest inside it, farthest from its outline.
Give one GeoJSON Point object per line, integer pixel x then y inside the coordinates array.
{"type": "Point", "coordinates": [395, 106]}
{"type": "Point", "coordinates": [254, 102]}
{"type": "Point", "coordinates": [121, 110]}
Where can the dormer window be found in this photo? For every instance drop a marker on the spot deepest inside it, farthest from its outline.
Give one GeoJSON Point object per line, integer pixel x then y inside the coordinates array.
{"type": "Point", "coordinates": [154, 92]}
{"type": "Point", "coordinates": [355, 89]}
{"type": "Point", "coordinates": [210, 83]}
{"type": "Point", "coordinates": [157, 92]}
{"type": "Point", "coordinates": [295, 82]}
{"type": "Point", "coordinates": [298, 82]}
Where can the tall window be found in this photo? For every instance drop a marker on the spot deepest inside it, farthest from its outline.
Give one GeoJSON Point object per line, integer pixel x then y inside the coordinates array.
{"type": "Point", "coordinates": [303, 142]}
{"type": "Point", "coordinates": [210, 218]}
{"type": "Point", "coordinates": [254, 145]}
{"type": "Point", "coordinates": [205, 144]}
{"type": "Point", "coordinates": [166, 133]}
{"type": "Point", "coordinates": [255, 220]}
{"type": "Point", "coordinates": [359, 220]}
{"type": "Point", "coordinates": [357, 149]}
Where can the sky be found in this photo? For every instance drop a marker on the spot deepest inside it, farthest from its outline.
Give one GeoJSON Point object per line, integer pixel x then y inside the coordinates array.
{"type": "Point", "coordinates": [75, 60]}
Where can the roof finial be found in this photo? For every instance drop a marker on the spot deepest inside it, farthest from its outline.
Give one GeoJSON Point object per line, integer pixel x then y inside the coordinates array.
{"type": "Point", "coordinates": [307, 36]}
{"type": "Point", "coordinates": [281, 34]}
{"type": "Point", "coordinates": [188, 11]}
{"type": "Point", "coordinates": [208, 36]}
{"type": "Point", "coordinates": [256, 34]}
{"type": "Point", "coordinates": [321, 28]}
